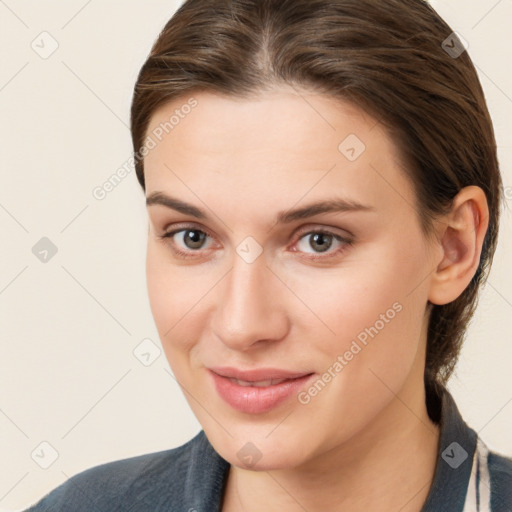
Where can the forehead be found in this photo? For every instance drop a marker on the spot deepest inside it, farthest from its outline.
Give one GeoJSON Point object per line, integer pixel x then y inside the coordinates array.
{"type": "Point", "coordinates": [283, 143]}
{"type": "Point", "coordinates": [281, 118]}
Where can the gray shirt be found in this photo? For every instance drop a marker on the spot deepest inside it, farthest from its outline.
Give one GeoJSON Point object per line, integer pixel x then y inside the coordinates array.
{"type": "Point", "coordinates": [191, 478]}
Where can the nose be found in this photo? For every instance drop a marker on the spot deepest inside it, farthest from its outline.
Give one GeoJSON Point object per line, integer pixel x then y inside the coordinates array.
{"type": "Point", "coordinates": [251, 306]}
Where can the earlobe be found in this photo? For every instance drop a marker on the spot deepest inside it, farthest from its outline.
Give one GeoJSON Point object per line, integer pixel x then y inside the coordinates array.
{"type": "Point", "coordinates": [462, 233]}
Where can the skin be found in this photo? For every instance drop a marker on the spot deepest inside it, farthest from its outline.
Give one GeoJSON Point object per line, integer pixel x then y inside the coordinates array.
{"type": "Point", "coordinates": [365, 442]}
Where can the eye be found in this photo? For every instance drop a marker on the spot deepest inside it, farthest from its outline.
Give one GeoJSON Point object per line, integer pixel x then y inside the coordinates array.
{"type": "Point", "coordinates": [192, 238]}
{"type": "Point", "coordinates": [321, 241]}
{"type": "Point", "coordinates": [186, 241]}
{"type": "Point", "coordinates": [189, 242]}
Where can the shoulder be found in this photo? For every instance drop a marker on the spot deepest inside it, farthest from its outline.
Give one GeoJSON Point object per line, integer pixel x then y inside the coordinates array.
{"type": "Point", "coordinates": [151, 481]}
{"type": "Point", "coordinates": [500, 472]}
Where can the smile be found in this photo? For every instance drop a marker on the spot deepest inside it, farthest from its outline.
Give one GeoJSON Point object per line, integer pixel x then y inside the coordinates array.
{"type": "Point", "coordinates": [257, 396]}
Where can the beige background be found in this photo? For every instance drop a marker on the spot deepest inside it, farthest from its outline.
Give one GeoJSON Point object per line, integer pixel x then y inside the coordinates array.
{"type": "Point", "coordinates": [69, 327]}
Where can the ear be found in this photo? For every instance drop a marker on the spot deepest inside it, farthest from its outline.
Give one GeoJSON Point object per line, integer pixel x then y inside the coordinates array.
{"type": "Point", "coordinates": [460, 236]}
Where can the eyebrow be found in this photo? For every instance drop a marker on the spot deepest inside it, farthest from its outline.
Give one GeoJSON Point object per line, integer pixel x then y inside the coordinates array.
{"type": "Point", "coordinates": [283, 217]}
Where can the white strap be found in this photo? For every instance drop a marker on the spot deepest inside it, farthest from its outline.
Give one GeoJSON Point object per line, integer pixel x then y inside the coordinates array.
{"type": "Point", "coordinates": [478, 497]}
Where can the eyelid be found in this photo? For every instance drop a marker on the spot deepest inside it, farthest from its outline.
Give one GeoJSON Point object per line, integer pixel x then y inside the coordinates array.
{"type": "Point", "coordinates": [304, 230]}
{"type": "Point", "coordinates": [176, 228]}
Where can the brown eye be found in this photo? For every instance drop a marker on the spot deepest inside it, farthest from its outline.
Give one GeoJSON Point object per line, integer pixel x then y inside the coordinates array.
{"type": "Point", "coordinates": [320, 241]}
{"type": "Point", "coordinates": [315, 243]}
{"type": "Point", "coordinates": [189, 242]}
{"type": "Point", "coordinates": [193, 238]}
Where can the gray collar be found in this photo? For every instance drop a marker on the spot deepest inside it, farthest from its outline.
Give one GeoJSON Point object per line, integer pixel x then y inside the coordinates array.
{"type": "Point", "coordinates": [457, 444]}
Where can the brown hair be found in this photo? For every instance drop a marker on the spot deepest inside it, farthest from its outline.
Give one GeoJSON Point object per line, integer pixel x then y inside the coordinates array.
{"type": "Point", "coordinates": [390, 57]}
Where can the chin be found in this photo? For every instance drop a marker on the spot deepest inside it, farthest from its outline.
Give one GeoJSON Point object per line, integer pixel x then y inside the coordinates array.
{"type": "Point", "coordinates": [256, 451]}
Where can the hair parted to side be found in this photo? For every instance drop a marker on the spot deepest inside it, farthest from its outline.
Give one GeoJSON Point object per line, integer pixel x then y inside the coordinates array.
{"type": "Point", "coordinates": [385, 56]}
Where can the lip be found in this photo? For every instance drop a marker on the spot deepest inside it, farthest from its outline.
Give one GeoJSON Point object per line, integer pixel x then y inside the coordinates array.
{"type": "Point", "coordinates": [254, 399]}
{"type": "Point", "coordinates": [256, 374]}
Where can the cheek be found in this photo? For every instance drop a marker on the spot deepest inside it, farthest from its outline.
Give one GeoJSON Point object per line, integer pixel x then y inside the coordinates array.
{"type": "Point", "coordinates": [172, 292]}
{"type": "Point", "coordinates": [370, 307]}
{"type": "Point", "coordinates": [180, 298]}
{"type": "Point", "coordinates": [355, 295]}
{"type": "Point", "coordinates": [377, 331]}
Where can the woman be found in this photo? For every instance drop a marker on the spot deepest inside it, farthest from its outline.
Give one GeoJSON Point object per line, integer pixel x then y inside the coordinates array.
{"type": "Point", "coordinates": [323, 196]}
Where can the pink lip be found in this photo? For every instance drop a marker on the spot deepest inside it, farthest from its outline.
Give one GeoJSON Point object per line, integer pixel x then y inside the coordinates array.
{"type": "Point", "coordinates": [253, 399]}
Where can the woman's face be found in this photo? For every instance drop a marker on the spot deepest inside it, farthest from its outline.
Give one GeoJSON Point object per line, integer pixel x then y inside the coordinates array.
{"type": "Point", "coordinates": [256, 278]}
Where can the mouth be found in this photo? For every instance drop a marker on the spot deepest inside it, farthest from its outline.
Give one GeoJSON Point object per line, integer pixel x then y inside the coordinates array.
{"type": "Point", "coordinates": [258, 383]}
{"type": "Point", "coordinates": [257, 374]}
{"type": "Point", "coordinates": [257, 391]}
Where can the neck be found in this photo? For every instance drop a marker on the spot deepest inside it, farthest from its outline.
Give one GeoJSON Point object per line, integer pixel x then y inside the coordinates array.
{"type": "Point", "coordinates": [388, 466]}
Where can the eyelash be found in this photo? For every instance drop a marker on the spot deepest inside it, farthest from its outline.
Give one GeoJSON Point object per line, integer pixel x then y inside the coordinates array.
{"type": "Point", "coordinates": [347, 242]}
